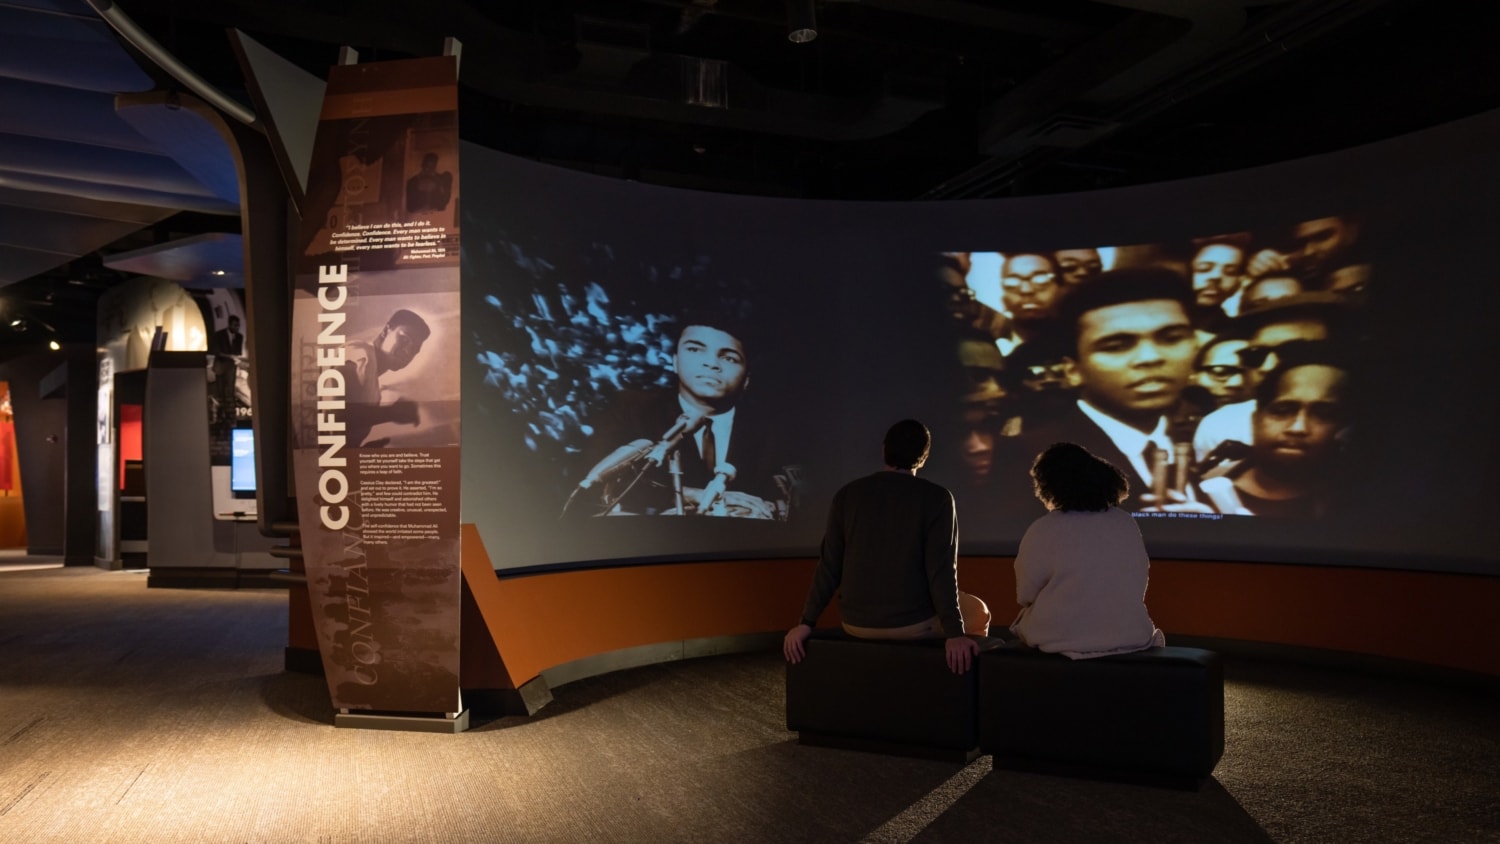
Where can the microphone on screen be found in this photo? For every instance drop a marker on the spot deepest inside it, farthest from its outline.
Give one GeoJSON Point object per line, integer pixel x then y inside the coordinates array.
{"type": "Point", "coordinates": [686, 425]}
{"type": "Point", "coordinates": [712, 502]}
{"type": "Point", "coordinates": [616, 461]}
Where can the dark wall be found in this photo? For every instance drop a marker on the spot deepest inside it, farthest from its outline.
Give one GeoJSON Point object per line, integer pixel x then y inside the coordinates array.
{"type": "Point", "coordinates": [180, 521]}
{"type": "Point", "coordinates": [80, 394]}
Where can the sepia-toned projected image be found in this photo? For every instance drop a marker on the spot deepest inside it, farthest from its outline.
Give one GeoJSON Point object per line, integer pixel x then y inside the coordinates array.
{"type": "Point", "coordinates": [1213, 372]}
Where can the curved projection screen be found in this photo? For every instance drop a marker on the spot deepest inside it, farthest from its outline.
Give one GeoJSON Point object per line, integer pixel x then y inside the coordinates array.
{"type": "Point", "coordinates": [1292, 364]}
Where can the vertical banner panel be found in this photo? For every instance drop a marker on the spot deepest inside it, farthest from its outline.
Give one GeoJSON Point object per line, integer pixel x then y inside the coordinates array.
{"type": "Point", "coordinates": [375, 386]}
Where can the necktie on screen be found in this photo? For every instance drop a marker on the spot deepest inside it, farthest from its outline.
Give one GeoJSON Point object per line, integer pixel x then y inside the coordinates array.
{"type": "Point", "coordinates": [710, 447]}
{"type": "Point", "coordinates": [1156, 475]}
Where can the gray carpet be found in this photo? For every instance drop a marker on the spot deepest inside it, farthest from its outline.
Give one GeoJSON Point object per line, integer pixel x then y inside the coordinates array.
{"type": "Point", "coordinates": [135, 715]}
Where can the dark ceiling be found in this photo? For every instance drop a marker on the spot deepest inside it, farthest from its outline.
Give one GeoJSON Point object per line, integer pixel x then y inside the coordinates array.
{"type": "Point", "coordinates": [893, 100]}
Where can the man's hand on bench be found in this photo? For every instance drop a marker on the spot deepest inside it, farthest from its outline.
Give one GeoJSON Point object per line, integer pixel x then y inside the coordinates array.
{"type": "Point", "coordinates": [961, 651]}
{"type": "Point", "coordinates": [794, 645]}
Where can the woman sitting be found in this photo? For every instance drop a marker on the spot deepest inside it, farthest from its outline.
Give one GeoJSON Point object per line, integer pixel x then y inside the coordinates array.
{"type": "Point", "coordinates": [1081, 571]}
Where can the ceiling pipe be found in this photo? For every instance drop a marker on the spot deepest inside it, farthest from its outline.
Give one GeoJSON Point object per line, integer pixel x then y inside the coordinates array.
{"type": "Point", "coordinates": [65, 160]}
{"type": "Point", "coordinates": [1204, 56]}
{"type": "Point", "coordinates": [1212, 26]}
{"type": "Point", "coordinates": [152, 49]}
{"type": "Point", "coordinates": [101, 192]}
{"type": "Point", "coordinates": [38, 110]}
{"type": "Point", "coordinates": [1018, 121]}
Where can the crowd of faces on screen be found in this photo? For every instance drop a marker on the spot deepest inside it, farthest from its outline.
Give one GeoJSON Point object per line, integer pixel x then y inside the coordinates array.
{"type": "Point", "coordinates": [1247, 369]}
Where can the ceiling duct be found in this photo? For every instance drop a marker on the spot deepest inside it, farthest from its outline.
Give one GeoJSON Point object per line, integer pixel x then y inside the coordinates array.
{"type": "Point", "coordinates": [1215, 44]}
{"type": "Point", "coordinates": [705, 82]}
{"type": "Point", "coordinates": [608, 50]}
{"type": "Point", "coordinates": [1069, 131]}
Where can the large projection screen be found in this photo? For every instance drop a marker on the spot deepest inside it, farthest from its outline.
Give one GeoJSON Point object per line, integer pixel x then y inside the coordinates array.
{"type": "Point", "coordinates": [611, 328]}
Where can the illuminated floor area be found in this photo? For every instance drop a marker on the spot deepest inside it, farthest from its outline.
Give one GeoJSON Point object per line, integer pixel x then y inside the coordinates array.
{"type": "Point", "coordinates": [16, 559]}
{"type": "Point", "coordinates": [136, 715]}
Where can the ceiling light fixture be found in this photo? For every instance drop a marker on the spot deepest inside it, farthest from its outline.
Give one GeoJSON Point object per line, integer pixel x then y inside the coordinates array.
{"type": "Point", "coordinates": [801, 21]}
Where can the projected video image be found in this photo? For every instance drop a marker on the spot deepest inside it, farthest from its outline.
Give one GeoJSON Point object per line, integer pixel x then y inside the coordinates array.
{"type": "Point", "coordinates": [1215, 373]}
{"type": "Point", "coordinates": [1214, 338]}
{"type": "Point", "coordinates": [628, 381]}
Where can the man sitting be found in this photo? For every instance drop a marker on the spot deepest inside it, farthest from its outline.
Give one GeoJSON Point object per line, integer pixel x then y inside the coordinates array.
{"type": "Point", "coordinates": [891, 552]}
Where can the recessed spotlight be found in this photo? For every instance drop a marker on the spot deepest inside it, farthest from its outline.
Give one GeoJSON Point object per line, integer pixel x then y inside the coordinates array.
{"type": "Point", "coordinates": [801, 21]}
{"type": "Point", "coordinates": [54, 345]}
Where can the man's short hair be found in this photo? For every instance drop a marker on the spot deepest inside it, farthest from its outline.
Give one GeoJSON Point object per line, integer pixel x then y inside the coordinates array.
{"type": "Point", "coordinates": [1239, 240]}
{"type": "Point", "coordinates": [415, 324]}
{"type": "Point", "coordinates": [720, 319]}
{"type": "Point", "coordinates": [1068, 476]}
{"type": "Point", "coordinates": [1295, 353]}
{"type": "Point", "coordinates": [1331, 309]}
{"type": "Point", "coordinates": [907, 444]}
{"type": "Point", "coordinates": [1118, 287]}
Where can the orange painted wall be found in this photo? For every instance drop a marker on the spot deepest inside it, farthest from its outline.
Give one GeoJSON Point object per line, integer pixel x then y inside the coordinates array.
{"type": "Point", "coordinates": [1438, 619]}
{"type": "Point", "coordinates": [130, 438]}
{"type": "Point", "coordinates": [542, 620]}
{"type": "Point", "coordinates": [12, 510]}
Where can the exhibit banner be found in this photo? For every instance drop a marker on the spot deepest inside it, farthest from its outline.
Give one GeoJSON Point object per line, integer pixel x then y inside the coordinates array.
{"type": "Point", "coordinates": [375, 386]}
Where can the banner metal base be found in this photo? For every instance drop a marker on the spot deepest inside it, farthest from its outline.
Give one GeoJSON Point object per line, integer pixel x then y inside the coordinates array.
{"type": "Point", "coordinates": [435, 723]}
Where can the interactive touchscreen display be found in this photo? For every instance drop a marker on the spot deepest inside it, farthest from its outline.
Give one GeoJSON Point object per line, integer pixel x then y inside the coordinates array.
{"type": "Point", "coordinates": [242, 462]}
{"type": "Point", "coordinates": [1290, 364]}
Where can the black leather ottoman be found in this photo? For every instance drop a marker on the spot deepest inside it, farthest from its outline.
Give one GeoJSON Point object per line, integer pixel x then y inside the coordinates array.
{"type": "Point", "coordinates": [1155, 716]}
{"type": "Point", "coordinates": [883, 696]}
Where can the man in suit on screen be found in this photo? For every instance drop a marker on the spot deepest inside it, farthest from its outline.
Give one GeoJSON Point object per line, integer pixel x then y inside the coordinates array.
{"type": "Point", "coordinates": [1130, 349]}
{"type": "Point", "coordinates": [727, 458]}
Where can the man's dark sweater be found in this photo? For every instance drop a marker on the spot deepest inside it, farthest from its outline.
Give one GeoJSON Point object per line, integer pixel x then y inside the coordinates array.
{"type": "Point", "coordinates": [891, 551]}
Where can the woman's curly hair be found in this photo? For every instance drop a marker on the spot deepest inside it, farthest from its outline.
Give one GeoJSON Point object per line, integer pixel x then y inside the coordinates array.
{"type": "Point", "coordinates": [1070, 477]}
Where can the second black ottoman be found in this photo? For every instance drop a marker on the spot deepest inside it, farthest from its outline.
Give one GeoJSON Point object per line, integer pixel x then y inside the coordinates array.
{"type": "Point", "coordinates": [1154, 716]}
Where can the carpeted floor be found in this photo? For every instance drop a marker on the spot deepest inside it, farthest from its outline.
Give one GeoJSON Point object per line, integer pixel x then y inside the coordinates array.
{"type": "Point", "coordinates": [135, 715]}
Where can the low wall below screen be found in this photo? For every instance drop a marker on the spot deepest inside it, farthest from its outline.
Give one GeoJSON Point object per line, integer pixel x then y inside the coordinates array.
{"type": "Point", "coordinates": [1422, 617]}
{"type": "Point", "coordinates": [538, 622]}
